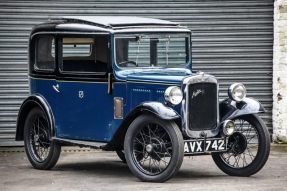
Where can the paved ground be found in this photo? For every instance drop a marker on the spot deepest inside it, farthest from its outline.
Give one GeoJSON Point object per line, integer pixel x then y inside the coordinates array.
{"type": "Point", "coordinates": [85, 170]}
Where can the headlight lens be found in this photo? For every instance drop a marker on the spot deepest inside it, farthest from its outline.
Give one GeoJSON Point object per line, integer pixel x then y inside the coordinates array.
{"type": "Point", "coordinates": [237, 92]}
{"type": "Point", "coordinates": [228, 127]}
{"type": "Point", "coordinates": [173, 94]}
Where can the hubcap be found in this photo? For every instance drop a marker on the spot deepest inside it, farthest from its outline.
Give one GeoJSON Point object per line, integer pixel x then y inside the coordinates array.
{"type": "Point", "coordinates": [149, 148]}
{"type": "Point", "coordinates": [238, 143]}
{"type": "Point", "coordinates": [36, 138]}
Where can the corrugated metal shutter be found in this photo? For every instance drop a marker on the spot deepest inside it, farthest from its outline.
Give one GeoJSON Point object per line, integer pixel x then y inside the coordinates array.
{"type": "Point", "coordinates": [232, 40]}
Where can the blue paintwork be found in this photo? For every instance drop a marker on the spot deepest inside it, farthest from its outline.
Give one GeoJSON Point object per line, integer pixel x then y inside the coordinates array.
{"type": "Point", "coordinates": [44, 87]}
{"type": "Point", "coordinates": [164, 75]}
{"type": "Point", "coordinates": [84, 118]}
{"type": "Point", "coordinates": [138, 92]}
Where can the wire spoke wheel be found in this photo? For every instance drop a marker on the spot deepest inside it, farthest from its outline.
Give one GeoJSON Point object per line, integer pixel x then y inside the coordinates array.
{"type": "Point", "coordinates": [40, 139]}
{"type": "Point", "coordinates": [249, 147]}
{"type": "Point", "coordinates": [243, 145]}
{"type": "Point", "coordinates": [41, 152]}
{"type": "Point", "coordinates": [153, 148]}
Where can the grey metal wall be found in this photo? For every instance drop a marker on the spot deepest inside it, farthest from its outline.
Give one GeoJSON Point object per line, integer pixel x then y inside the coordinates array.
{"type": "Point", "coordinates": [232, 40]}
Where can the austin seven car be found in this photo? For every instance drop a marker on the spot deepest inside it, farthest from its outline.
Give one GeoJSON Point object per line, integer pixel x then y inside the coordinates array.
{"type": "Point", "coordinates": [126, 84]}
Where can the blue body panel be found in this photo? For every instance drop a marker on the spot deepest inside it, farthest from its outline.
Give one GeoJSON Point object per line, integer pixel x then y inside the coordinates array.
{"type": "Point", "coordinates": [84, 111]}
{"type": "Point", "coordinates": [44, 87]}
{"type": "Point", "coordinates": [141, 92]}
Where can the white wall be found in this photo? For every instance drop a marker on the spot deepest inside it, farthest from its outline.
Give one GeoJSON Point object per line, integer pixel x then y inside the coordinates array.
{"type": "Point", "coordinates": [280, 72]}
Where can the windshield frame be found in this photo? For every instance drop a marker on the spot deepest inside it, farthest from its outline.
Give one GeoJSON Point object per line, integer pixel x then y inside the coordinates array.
{"type": "Point", "coordinates": [155, 35]}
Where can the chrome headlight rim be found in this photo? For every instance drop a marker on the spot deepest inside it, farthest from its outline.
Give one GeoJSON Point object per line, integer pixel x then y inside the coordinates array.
{"type": "Point", "coordinates": [171, 93]}
{"type": "Point", "coordinates": [233, 89]}
{"type": "Point", "coordinates": [228, 127]}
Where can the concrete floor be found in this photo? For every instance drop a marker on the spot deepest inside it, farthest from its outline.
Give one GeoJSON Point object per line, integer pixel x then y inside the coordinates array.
{"type": "Point", "coordinates": [85, 170]}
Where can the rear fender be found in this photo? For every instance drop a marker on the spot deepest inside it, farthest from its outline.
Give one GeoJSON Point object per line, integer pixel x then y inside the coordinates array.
{"type": "Point", "coordinates": [230, 109]}
{"type": "Point", "coordinates": [35, 100]}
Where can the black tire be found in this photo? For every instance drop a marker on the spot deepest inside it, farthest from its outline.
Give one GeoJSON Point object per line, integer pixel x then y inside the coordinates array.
{"type": "Point", "coordinates": [249, 154]}
{"type": "Point", "coordinates": [153, 148]}
{"type": "Point", "coordinates": [41, 152]}
{"type": "Point", "coordinates": [121, 155]}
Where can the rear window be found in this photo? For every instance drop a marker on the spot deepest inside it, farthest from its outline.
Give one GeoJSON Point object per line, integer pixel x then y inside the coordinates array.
{"type": "Point", "coordinates": [45, 59]}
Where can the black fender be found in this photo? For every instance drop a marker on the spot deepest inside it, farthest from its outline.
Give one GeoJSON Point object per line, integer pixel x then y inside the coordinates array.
{"type": "Point", "coordinates": [35, 100]}
{"type": "Point", "coordinates": [230, 109]}
{"type": "Point", "coordinates": [159, 109]}
{"type": "Point", "coordinates": [156, 108]}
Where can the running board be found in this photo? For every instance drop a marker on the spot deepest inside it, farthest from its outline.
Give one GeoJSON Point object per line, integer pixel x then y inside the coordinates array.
{"type": "Point", "coordinates": [97, 145]}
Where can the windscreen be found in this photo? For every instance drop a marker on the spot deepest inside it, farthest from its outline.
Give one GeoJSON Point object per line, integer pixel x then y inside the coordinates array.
{"type": "Point", "coordinates": [153, 51]}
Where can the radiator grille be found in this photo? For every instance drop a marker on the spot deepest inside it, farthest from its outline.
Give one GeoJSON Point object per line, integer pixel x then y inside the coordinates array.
{"type": "Point", "coordinates": [202, 106]}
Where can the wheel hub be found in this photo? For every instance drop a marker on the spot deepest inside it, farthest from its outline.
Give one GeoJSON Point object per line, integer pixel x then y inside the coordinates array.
{"type": "Point", "coordinates": [149, 148]}
{"type": "Point", "coordinates": [36, 138]}
{"type": "Point", "coordinates": [42, 139]}
{"type": "Point", "coordinates": [238, 143]}
{"type": "Point", "coordinates": [156, 148]}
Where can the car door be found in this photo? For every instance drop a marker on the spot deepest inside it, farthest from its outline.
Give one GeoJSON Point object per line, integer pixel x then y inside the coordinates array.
{"type": "Point", "coordinates": [84, 107]}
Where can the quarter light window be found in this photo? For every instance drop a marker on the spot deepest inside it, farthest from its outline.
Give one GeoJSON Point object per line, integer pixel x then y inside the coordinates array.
{"type": "Point", "coordinates": [45, 59]}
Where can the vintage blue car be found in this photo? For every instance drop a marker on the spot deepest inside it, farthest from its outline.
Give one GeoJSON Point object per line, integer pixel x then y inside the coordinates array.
{"type": "Point", "coordinates": [126, 84]}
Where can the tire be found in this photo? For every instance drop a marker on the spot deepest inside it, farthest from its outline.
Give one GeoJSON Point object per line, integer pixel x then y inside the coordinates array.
{"type": "Point", "coordinates": [121, 155]}
{"type": "Point", "coordinates": [249, 154]}
{"type": "Point", "coordinates": [41, 152]}
{"type": "Point", "coordinates": [153, 148]}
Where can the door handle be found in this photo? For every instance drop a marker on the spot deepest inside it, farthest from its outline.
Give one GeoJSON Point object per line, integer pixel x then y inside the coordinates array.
{"type": "Point", "coordinates": [56, 88]}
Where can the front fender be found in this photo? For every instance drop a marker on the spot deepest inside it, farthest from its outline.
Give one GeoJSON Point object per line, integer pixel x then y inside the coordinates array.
{"type": "Point", "coordinates": [230, 109]}
{"type": "Point", "coordinates": [35, 100]}
{"type": "Point", "coordinates": [159, 109]}
{"type": "Point", "coordinates": [156, 108]}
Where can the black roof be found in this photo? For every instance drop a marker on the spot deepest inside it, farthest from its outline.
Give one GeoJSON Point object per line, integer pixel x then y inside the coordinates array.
{"type": "Point", "coordinates": [108, 24]}
{"type": "Point", "coordinates": [116, 21]}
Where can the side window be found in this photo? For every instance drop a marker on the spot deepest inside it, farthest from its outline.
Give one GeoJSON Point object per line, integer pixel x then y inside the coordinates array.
{"type": "Point", "coordinates": [81, 54]}
{"type": "Point", "coordinates": [45, 51]}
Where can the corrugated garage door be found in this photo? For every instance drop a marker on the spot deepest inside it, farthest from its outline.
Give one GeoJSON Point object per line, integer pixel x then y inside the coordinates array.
{"type": "Point", "coordinates": [232, 40]}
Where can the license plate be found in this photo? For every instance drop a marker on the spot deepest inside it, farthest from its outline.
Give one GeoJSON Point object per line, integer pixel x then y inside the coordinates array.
{"type": "Point", "coordinates": [204, 146]}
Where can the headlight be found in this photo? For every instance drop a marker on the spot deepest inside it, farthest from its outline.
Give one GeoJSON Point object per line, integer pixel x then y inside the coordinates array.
{"type": "Point", "coordinates": [228, 127]}
{"type": "Point", "coordinates": [173, 94]}
{"type": "Point", "coordinates": [237, 92]}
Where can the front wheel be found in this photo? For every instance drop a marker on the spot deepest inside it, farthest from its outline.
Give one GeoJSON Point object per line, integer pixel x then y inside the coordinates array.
{"type": "Point", "coordinates": [41, 152]}
{"type": "Point", "coordinates": [153, 148]}
{"type": "Point", "coordinates": [249, 147]}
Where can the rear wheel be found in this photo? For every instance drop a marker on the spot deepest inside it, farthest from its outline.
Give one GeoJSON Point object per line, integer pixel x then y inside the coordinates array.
{"type": "Point", "coordinates": [153, 148]}
{"type": "Point", "coordinates": [42, 153]}
{"type": "Point", "coordinates": [249, 147]}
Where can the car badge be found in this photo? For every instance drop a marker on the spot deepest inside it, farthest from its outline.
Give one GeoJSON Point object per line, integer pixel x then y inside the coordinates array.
{"type": "Point", "coordinates": [81, 94]}
{"type": "Point", "coordinates": [196, 93]}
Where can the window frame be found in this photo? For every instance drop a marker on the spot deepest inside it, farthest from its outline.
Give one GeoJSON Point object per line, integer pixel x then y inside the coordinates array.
{"type": "Point", "coordinates": [152, 35]}
{"type": "Point", "coordinates": [35, 52]}
{"type": "Point", "coordinates": [80, 73]}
